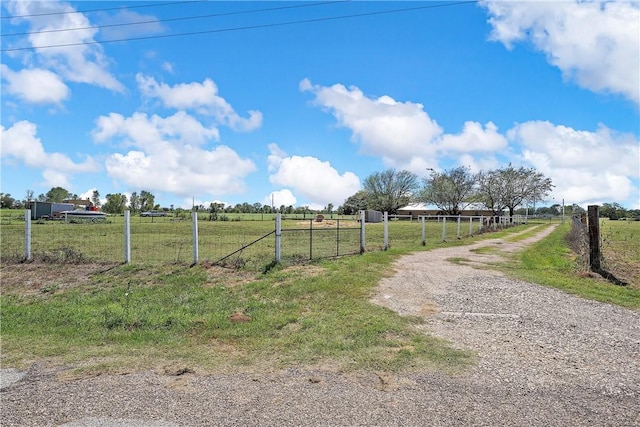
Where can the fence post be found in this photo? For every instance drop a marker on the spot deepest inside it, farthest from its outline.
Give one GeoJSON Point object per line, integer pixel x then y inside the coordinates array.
{"type": "Point", "coordinates": [27, 235]}
{"type": "Point", "coordinates": [386, 230]}
{"type": "Point", "coordinates": [127, 236]}
{"type": "Point", "coordinates": [278, 235]}
{"type": "Point", "coordinates": [458, 227]}
{"type": "Point", "coordinates": [444, 228]}
{"type": "Point", "coordinates": [470, 226]}
{"type": "Point", "coordinates": [594, 237]}
{"type": "Point", "coordinates": [362, 232]}
{"type": "Point", "coordinates": [338, 237]}
{"type": "Point", "coordinates": [194, 226]}
{"type": "Point", "coordinates": [311, 239]}
{"type": "Point", "coordinates": [424, 237]}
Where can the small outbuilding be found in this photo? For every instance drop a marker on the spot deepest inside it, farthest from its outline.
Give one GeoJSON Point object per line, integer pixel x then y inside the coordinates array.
{"type": "Point", "coordinates": [373, 216]}
{"type": "Point", "coordinates": [45, 210]}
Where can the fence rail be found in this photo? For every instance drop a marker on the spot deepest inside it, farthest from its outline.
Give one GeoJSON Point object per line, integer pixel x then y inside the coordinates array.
{"type": "Point", "coordinates": [248, 244]}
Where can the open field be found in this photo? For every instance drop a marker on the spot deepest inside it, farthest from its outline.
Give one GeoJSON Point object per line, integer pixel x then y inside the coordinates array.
{"type": "Point", "coordinates": [167, 240]}
{"type": "Point", "coordinates": [620, 242]}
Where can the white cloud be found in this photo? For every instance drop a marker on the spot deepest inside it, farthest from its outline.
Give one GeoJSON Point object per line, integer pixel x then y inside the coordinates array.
{"type": "Point", "coordinates": [585, 166]}
{"type": "Point", "coordinates": [81, 60]}
{"type": "Point", "coordinates": [166, 155]}
{"type": "Point", "coordinates": [312, 178]}
{"type": "Point", "coordinates": [593, 42]}
{"type": "Point", "coordinates": [35, 85]}
{"type": "Point", "coordinates": [474, 138]}
{"type": "Point", "coordinates": [396, 131]}
{"type": "Point", "coordinates": [201, 97]}
{"type": "Point", "coordinates": [279, 198]}
{"type": "Point", "coordinates": [150, 133]}
{"type": "Point", "coordinates": [401, 133]}
{"type": "Point", "coordinates": [20, 143]}
{"type": "Point", "coordinates": [122, 31]}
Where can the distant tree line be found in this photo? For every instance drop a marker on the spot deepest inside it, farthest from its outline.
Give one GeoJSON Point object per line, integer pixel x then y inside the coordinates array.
{"type": "Point", "coordinates": [450, 191]}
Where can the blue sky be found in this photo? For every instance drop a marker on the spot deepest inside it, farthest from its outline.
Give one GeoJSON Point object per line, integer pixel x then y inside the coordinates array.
{"type": "Point", "coordinates": [300, 101]}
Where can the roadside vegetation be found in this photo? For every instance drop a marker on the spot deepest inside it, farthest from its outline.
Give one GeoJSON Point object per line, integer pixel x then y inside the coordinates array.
{"type": "Point", "coordinates": [550, 262]}
{"type": "Point", "coordinates": [210, 319]}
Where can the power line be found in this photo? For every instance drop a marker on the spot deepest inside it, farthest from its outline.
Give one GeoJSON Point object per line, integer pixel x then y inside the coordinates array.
{"type": "Point", "coordinates": [176, 19]}
{"type": "Point", "coordinates": [250, 27]}
{"type": "Point", "coordinates": [104, 9]}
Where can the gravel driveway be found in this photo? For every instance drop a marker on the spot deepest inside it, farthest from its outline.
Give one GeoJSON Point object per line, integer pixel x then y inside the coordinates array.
{"type": "Point", "coordinates": [545, 358]}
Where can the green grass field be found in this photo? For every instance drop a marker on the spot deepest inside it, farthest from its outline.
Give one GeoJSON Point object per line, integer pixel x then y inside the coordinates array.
{"type": "Point", "coordinates": [170, 240]}
{"type": "Point", "coordinates": [620, 242]}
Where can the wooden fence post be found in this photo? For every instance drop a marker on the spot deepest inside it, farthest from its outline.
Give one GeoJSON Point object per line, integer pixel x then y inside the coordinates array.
{"type": "Point", "coordinates": [594, 237]}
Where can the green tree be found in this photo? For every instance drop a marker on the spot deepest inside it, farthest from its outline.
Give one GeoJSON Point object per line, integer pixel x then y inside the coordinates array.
{"type": "Point", "coordinates": [115, 204]}
{"type": "Point", "coordinates": [214, 209]}
{"type": "Point", "coordinates": [390, 190]}
{"type": "Point", "coordinates": [147, 201]}
{"type": "Point", "coordinates": [134, 202]}
{"type": "Point", "coordinates": [509, 188]}
{"type": "Point", "coordinates": [6, 201]}
{"type": "Point", "coordinates": [612, 211]}
{"type": "Point", "coordinates": [57, 195]}
{"type": "Point", "coordinates": [355, 203]}
{"type": "Point", "coordinates": [95, 198]}
{"type": "Point", "coordinates": [450, 191]}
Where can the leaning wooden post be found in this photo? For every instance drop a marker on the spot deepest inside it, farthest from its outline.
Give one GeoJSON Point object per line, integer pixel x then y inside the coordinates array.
{"type": "Point", "coordinates": [594, 237]}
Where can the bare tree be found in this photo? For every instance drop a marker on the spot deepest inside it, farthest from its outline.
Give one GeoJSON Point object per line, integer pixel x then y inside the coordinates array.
{"type": "Point", "coordinates": [450, 191]}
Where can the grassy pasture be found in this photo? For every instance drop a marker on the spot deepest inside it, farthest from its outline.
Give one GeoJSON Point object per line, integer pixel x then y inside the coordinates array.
{"type": "Point", "coordinates": [620, 242]}
{"type": "Point", "coordinates": [156, 240]}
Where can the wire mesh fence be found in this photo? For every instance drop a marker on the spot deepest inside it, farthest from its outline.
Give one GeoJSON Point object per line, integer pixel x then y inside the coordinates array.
{"type": "Point", "coordinates": [238, 244]}
{"type": "Point", "coordinates": [312, 239]}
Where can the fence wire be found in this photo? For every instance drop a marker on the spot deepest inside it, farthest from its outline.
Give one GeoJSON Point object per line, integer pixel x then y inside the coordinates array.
{"type": "Point", "coordinates": [237, 244]}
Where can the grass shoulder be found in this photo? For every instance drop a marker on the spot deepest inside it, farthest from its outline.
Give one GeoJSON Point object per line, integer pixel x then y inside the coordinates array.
{"type": "Point", "coordinates": [210, 320]}
{"type": "Point", "coordinates": [550, 262]}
